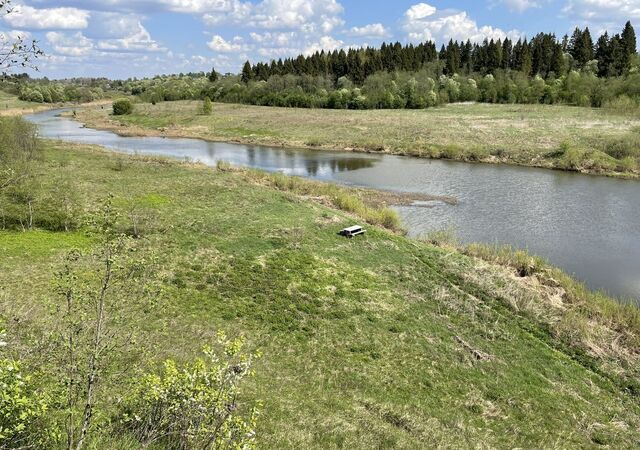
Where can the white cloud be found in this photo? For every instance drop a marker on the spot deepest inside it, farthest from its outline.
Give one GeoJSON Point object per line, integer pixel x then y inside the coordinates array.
{"type": "Point", "coordinates": [273, 39]}
{"type": "Point", "coordinates": [137, 41]}
{"type": "Point", "coordinates": [202, 6]}
{"type": "Point", "coordinates": [371, 30]}
{"type": "Point", "coordinates": [145, 6]}
{"type": "Point", "coordinates": [105, 25]}
{"type": "Point", "coordinates": [423, 22]}
{"type": "Point", "coordinates": [310, 16]}
{"type": "Point", "coordinates": [69, 45]}
{"type": "Point", "coordinates": [602, 10]}
{"type": "Point", "coordinates": [307, 15]}
{"type": "Point", "coordinates": [14, 35]}
{"type": "Point", "coordinates": [26, 17]}
{"type": "Point", "coordinates": [420, 11]}
{"type": "Point", "coordinates": [219, 44]}
{"type": "Point", "coordinates": [326, 43]}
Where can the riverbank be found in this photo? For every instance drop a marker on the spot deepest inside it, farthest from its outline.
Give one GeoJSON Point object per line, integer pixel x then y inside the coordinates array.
{"type": "Point", "coordinates": [554, 137]}
{"type": "Point", "coordinates": [367, 343]}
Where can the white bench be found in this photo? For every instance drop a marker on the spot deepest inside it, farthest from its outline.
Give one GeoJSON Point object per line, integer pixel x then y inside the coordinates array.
{"type": "Point", "coordinates": [350, 232]}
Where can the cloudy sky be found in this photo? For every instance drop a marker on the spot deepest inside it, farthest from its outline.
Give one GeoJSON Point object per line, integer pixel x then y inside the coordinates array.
{"type": "Point", "coordinates": [122, 38]}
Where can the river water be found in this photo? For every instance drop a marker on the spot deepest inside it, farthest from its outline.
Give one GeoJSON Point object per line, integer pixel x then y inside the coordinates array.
{"type": "Point", "coordinates": [587, 225]}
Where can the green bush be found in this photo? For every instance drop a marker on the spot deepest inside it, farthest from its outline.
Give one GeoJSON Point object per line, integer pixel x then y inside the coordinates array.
{"type": "Point", "coordinates": [623, 146]}
{"type": "Point", "coordinates": [22, 409]}
{"type": "Point", "coordinates": [195, 405]}
{"type": "Point", "coordinates": [207, 106]}
{"type": "Point", "coordinates": [122, 106]}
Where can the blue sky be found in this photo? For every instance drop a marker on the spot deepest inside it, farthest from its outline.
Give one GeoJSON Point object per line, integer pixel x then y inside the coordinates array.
{"type": "Point", "coordinates": [123, 38]}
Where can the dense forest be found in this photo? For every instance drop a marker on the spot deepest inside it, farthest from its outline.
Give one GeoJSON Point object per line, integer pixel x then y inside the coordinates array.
{"type": "Point", "coordinates": [574, 70]}
{"type": "Point", "coordinates": [544, 55]}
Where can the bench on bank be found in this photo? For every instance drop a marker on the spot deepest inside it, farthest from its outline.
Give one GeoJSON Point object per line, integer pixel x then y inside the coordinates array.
{"type": "Point", "coordinates": [353, 231]}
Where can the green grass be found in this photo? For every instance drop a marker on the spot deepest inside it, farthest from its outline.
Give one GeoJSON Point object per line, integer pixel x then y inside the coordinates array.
{"type": "Point", "coordinates": [378, 342]}
{"type": "Point", "coordinates": [532, 135]}
{"type": "Point", "coordinates": [39, 243]}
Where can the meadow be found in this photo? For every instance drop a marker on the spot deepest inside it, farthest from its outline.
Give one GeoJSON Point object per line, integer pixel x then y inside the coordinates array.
{"type": "Point", "coordinates": [581, 139]}
{"type": "Point", "coordinates": [378, 342]}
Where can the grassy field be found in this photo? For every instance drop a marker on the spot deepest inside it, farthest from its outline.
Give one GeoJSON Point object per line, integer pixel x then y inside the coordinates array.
{"type": "Point", "coordinates": [562, 137]}
{"type": "Point", "coordinates": [11, 105]}
{"type": "Point", "coordinates": [379, 342]}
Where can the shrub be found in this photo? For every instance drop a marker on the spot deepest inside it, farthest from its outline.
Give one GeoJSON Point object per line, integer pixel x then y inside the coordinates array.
{"type": "Point", "coordinates": [207, 106]}
{"type": "Point", "coordinates": [621, 147]}
{"type": "Point", "coordinates": [622, 104]}
{"type": "Point", "coordinates": [572, 157]}
{"type": "Point", "coordinates": [22, 409]}
{"type": "Point", "coordinates": [195, 405]}
{"type": "Point", "coordinates": [122, 106]}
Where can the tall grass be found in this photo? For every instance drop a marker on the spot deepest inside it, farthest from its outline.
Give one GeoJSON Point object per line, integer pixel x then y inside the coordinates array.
{"type": "Point", "coordinates": [624, 146]}
{"type": "Point", "coordinates": [338, 197]}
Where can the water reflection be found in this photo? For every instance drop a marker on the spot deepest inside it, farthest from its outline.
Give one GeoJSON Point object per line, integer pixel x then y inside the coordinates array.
{"type": "Point", "coordinates": [301, 162]}
{"type": "Point", "coordinates": [589, 226]}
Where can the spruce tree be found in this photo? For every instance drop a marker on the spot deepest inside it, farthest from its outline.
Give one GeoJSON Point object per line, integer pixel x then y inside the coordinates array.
{"type": "Point", "coordinates": [616, 57]}
{"type": "Point", "coordinates": [629, 45]}
{"type": "Point", "coordinates": [526, 62]}
{"type": "Point", "coordinates": [587, 46]}
{"type": "Point", "coordinates": [575, 44]}
{"type": "Point", "coordinates": [603, 54]}
{"type": "Point", "coordinates": [629, 39]}
{"type": "Point", "coordinates": [557, 61]}
{"type": "Point", "coordinates": [247, 72]}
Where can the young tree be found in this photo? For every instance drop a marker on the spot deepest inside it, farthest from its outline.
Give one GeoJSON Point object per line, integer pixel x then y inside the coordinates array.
{"type": "Point", "coordinates": [16, 52]}
{"type": "Point", "coordinates": [96, 291]}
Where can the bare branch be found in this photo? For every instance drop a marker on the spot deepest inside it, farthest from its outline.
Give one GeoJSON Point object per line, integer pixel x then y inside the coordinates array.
{"type": "Point", "coordinates": [16, 51]}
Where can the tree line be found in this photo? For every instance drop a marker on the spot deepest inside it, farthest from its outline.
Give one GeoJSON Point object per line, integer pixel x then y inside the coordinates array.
{"type": "Point", "coordinates": [543, 55]}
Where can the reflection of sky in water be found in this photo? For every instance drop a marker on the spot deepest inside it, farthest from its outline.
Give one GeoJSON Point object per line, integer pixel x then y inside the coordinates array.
{"type": "Point", "coordinates": [590, 226]}
{"type": "Point", "coordinates": [302, 162]}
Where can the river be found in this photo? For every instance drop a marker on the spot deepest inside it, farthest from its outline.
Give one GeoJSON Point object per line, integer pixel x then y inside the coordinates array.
{"type": "Point", "coordinates": [587, 225]}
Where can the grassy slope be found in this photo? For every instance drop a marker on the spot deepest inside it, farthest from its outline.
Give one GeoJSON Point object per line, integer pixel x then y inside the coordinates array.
{"type": "Point", "coordinates": [515, 134]}
{"type": "Point", "coordinates": [367, 342]}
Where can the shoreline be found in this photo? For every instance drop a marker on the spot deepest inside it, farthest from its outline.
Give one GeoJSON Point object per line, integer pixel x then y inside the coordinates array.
{"type": "Point", "coordinates": [180, 131]}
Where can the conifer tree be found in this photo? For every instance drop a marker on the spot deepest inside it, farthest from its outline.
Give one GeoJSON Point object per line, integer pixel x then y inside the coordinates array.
{"type": "Point", "coordinates": [603, 54]}
{"type": "Point", "coordinates": [247, 72]}
{"type": "Point", "coordinates": [629, 45]}
{"type": "Point", "coordinates": [587, 46]}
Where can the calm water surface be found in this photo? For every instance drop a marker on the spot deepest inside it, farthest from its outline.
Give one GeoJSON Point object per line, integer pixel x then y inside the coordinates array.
{"type": "Point", "coordinates": [589, 226]}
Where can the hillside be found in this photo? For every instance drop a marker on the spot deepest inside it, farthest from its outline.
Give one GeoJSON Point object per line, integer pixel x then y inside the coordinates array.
{"type": "Point", "coordinates": [377, 342]}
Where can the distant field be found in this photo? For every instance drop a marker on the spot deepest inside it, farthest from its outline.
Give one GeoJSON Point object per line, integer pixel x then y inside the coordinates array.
{"type": "Point", "coordinates": [545, 136]}
{"type": "Point", "coordinates": [379, 342]}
